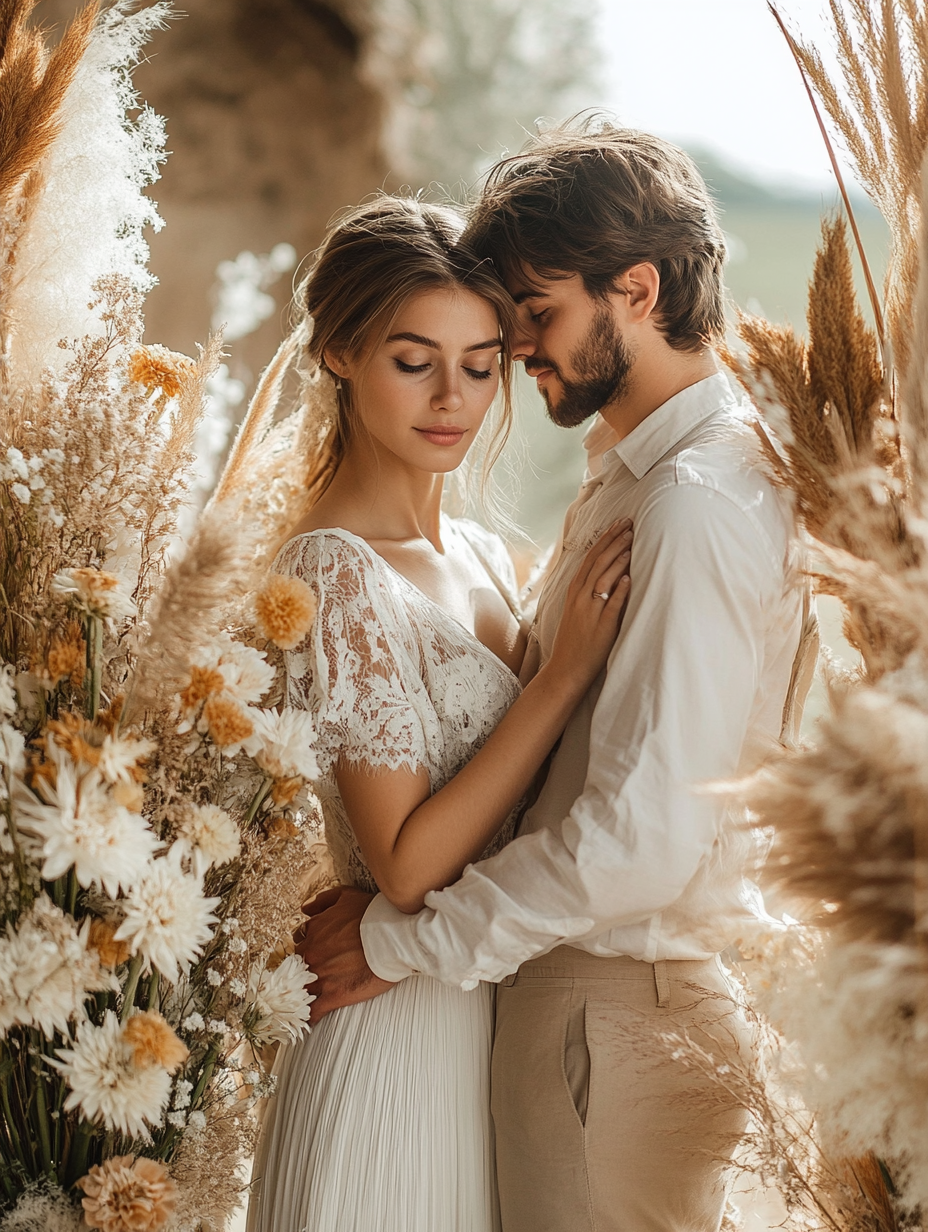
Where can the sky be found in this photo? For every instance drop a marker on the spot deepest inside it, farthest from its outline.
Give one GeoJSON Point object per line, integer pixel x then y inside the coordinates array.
{"type": "Point", "coordinates": [718, 74]}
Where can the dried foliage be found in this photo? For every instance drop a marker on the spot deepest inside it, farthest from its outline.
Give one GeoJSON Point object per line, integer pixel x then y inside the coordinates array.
{"type": "Point", "coordinates": [155, 836]}
{"type": "Point", "coordinates": [33, 84]}
{"type": "Point", "coordinates": [847, 436]}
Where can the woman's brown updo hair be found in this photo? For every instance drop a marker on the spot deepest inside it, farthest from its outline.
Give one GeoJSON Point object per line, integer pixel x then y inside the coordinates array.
{"type": "Point", "coordinates": [372, 261]}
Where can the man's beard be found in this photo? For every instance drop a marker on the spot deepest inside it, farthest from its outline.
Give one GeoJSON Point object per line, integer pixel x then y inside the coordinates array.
{"type": "Point", "coordinates": [602, 363]}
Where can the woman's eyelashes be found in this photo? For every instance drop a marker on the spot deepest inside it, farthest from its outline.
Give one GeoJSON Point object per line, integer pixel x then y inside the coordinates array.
{"type": "Point", "coordinates": [477, 374]}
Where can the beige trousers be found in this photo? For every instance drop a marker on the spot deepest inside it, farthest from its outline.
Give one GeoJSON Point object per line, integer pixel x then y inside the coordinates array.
{"type": "Point", "coordinates": [598, 1127]}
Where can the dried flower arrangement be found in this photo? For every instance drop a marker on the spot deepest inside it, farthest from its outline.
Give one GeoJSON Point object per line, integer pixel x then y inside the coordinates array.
{"type": "Point", "coordinates": [151, 808]}
{"type": "Point", "coordinates": [841, 1124]}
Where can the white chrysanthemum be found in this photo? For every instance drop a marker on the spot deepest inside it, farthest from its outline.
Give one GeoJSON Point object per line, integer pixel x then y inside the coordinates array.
{"type": "Point", "coordinates": [120, 754]}
{"type": "Point", "coordinates": [82, 827]}
{"type": "Point", "coordinates": [282, 744]}
{"type": "Point", "coordinates": [12, 761]}
{"type": "Point", "coordinates": [7, 692]}
{"type": "Point", "coordinates": [46, 970]}
{"type": "Point", "coordinates": [210, 834]}
{"type": "Point", "coordinates": [167, 920]}
{"type": "Point", "coordinates": [106, 1083]}
{"type": "Point", "coordinates": [95, 590]}
{"type": "Point", "coordinates": [247, 673]}
{"type": "Point", "coordinates": [278, 1003]}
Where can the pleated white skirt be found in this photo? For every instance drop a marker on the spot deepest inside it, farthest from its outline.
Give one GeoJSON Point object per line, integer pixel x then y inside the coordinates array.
{"type": "Point", "coordinates": [381, 1121]}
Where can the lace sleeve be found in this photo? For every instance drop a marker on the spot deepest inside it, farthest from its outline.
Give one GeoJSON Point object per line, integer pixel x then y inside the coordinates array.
{"type": "Point", "coordinates": [357, 672]}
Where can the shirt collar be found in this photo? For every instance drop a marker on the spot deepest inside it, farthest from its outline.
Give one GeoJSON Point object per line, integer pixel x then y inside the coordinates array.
{"type": "Point", "coordinates": [661, 430]}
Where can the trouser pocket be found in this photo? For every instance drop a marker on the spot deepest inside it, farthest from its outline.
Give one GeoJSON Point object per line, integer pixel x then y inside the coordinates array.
{"type": "Point", "coordinates": [577, 1057]}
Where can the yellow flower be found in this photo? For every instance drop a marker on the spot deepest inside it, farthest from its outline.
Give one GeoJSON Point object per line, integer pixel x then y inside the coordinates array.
{"type": "Point", "coordinates": [153, 1042]}
{"type": "Point", "coordinates": [156, 367]}
{"type": "Point", "coordinates": [203, 682]}
{"type": "Point", "coordinates": [67, 656]}
{"type": "Point", "coordinates": [112, 953]}
{"type": "Point", "coordinates": [285, 609]}
{"type": "Point", "coordinates": [125, 1194]}
{"type": "Point", "coordinates": [226, 721]}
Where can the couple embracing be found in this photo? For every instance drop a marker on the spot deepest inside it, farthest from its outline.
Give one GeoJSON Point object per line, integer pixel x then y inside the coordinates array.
{"type": "Point", "coordinates": [495, 975]}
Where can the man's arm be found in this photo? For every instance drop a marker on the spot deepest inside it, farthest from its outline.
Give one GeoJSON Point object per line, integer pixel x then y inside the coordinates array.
{"type": "Point", "coordinates": [673, 713]}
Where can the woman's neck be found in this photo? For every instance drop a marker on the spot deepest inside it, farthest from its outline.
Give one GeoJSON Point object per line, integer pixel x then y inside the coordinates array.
{"type": "Point", "coordinates": [380, 498]}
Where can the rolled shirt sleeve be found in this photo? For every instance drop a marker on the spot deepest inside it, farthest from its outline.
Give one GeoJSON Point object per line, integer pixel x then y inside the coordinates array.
{"type": "Point", "coordinates": [672, 715]}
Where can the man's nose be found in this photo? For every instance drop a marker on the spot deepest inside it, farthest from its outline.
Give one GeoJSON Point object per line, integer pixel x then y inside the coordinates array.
{"type": "Point", "coordinates": [523, 342]}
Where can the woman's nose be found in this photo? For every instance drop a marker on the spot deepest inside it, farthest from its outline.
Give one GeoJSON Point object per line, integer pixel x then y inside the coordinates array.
{"type": "Point", "coordinates": [448, 398]}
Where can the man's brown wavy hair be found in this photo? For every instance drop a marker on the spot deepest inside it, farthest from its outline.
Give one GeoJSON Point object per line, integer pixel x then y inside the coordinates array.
{"type": "Point", "coordinates": [591, 199]}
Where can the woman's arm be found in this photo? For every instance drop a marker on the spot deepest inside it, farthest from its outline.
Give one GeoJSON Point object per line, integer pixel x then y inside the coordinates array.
{"type": "Point", "coordinates": [414, 842]}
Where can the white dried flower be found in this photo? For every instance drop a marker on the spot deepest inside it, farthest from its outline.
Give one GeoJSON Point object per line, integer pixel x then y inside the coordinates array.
{"type": "Point", "coordinates": [237, 946]}
{"type": "Point", "coordinates": [21, 492]}
{"type": "Point", "coordinates": [216, 1026]}
{"type": "Point", "coordinates": [282, 744]}
{"type": "Point", "coordinates": [177, 1119]}
{"type": "Point", "coordinates": [106, 1083]}
{"type": "Point", "coordinates": [246, 672]}
{"type": "Point", "coordinates": [96, 591]}
{"type": "Point", "coordinates": [237, 987]}
{"type": "Point", "coordinates": [81, 826]}
{"type": "Point", "coordinates": [47, 971]}
{"type": "Point", "coordinates": [167, 919]}
{"type": "Point", "coordinates": [193, 1022]}
{"type": "Point", "coordinates": [196, 1121]}
{"type": "Point", "coordinates": [213, 977]}
{"type": "Point", "coordinates": [7, 692]}
{"type": "Point", "coordinates": [210, 834]}
{"type": "Point", "coordinates": [182, 1089]}
{"type": "Point", "coordinates": [278, 1003]}
{"type": "Point", "coordinates": [119, 755]}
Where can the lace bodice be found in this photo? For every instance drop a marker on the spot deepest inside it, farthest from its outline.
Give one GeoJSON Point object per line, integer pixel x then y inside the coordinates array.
{"type": "Point", "coordinates": [390, 678]}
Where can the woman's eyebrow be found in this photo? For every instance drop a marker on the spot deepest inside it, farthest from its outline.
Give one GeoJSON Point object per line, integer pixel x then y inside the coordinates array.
{"type": "Point", "coordinates": [420, 338]}
{"type": "Point", "coordinates": [436, 346]}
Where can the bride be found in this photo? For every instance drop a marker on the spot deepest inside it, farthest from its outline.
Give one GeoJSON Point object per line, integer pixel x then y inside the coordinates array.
{"type": "Point", "coordinates": [426, 743]}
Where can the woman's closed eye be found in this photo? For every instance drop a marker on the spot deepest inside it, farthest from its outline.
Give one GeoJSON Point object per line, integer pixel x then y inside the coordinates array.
{"type": "Point", "coordinates": [479, 374]}
{"type": "Point", "coordinates": [404, 367]}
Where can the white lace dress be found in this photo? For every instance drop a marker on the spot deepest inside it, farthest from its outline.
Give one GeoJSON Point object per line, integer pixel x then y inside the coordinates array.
{"type": "Point", "coordinates": [381, 1121]}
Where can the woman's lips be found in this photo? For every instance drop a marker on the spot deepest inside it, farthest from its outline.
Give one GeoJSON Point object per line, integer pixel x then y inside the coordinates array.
{"type": "Point", "coordinates": [441, 435]}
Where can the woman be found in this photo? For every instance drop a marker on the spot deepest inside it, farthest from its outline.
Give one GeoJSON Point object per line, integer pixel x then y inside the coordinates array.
{"type": "Point", "coordinates": [381, 1120]}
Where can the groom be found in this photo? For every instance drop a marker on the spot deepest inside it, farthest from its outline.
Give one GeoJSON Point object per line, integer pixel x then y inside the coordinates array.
{"type": "Point", "coordinates": [602, 922]}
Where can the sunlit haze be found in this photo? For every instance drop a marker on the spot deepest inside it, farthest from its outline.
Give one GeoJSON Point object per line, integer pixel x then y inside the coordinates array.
{"type": "Point", "coordinates": [718, 74]}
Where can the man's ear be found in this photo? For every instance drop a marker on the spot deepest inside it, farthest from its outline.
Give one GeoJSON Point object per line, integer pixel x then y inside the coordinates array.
{"type": "Point", "coordinates": [336, 364]}
{"type": "Point", "coordinates": [640, 286]}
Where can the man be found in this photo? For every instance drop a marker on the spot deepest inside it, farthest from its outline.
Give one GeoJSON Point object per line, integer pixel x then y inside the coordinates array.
{"type": "Point", "coordinates": [603, 920]}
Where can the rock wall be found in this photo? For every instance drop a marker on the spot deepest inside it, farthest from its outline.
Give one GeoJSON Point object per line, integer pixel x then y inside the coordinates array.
{"type": "Point", "coordinates": [272, 129]}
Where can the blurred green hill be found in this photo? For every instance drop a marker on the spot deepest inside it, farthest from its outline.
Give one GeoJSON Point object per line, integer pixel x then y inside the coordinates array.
{"type": "Point", "coordinates": [772, 236]}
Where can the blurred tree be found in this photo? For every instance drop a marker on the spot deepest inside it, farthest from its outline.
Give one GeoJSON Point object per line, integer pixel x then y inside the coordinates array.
{"type": "Point", "coordinates": [468, 81]}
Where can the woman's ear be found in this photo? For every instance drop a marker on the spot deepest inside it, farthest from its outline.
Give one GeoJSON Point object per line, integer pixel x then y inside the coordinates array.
{"type": "Point", "coordinates": [336, 364]}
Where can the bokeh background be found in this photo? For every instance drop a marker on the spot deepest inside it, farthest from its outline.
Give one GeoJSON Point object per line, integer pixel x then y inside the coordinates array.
{"type": "Point", "coordinates": [282, 112]}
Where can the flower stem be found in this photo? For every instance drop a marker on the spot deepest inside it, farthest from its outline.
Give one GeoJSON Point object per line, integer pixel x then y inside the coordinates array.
{"type": "Point", "coordinates": [259, 798]}
{"type": "Point", "coordinates": [132, 983]}
{"type": "Point", "coordinates": [80, 1150]}
{"type": "Point", "coordinates": [41, 1117]}
{"type": "Point", "coordinates": [94, 663]}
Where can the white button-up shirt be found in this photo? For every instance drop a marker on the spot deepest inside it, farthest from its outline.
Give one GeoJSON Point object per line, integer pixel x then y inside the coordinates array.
{"type": "Point", "coordinates": [627, 850]}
